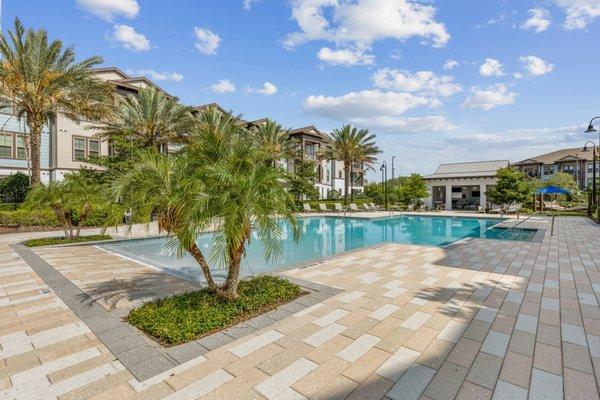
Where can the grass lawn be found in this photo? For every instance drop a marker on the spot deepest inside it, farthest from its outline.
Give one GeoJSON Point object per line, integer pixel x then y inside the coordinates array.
{"type": "Point", "coordinates": [64, 240]}
{"type": "Point", "coordinates": [189, 316]}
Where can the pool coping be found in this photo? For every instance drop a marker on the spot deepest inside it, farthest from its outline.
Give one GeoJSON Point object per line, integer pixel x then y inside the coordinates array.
{"type": "Point", "coordinates": [141, 355]}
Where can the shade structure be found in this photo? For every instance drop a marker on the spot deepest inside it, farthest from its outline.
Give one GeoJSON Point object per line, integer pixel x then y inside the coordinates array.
{"type": "Point", "coordinates": [553, 190]}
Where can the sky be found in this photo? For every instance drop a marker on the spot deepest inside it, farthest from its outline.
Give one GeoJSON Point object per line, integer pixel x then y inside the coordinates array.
{"type": "Point", "coordinates": [437, 81]}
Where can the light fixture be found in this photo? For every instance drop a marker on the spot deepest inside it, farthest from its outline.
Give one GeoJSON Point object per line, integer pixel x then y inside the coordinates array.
{"type": "Point", "coordinates": [591, 129]}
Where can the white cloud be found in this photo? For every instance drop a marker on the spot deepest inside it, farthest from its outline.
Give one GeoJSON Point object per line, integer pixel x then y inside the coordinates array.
{"type": "Point", "coordinates": [421, 82]}
{"type": "Point", "coordinates": [535, 66]}
{"type": "Point", "coordinates": [268, 89]}
{"type": "Point", "coordinates": [430, 123]}
{"type": "Point", "coordinates": [396, 54]}
{"type": "Point", "coordinates": [207, 42]}
{"type": "Point", "coordinates": [352, 23]}
{"type": "Point", "coordinates": [450, 65]}
{"type": "Point", "coordinates": [158, 76]}
{"type": "Point", "coordinates": [539, 20]}
{"type": "Point", "coordinates": [579, 12]}
{"type": "Point", "coordinates": [223, 86]}
{"type": "Point", "coordinates": [490, 97]}
{"type": "Point", "coordinates": [345, 57]}
{"type": "Point", "coordinates": [365, 104]}
{"type": "Point", "coordinates": [130, 39]}
{"type": "Point", "coordinates": [491, 67]}
{"type": "Point", "coordinates": [109, 9]}
{"type": "Point", "coordinates": [493, 21]}
{"type": "Point", "coordinates": [248, 4]}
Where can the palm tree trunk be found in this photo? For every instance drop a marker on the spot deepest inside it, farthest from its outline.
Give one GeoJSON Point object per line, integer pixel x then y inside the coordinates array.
{"type": "Point", "coordinates": [199, 257]}
{"type": "Point", "coordinates": [35, 133]}
{"type": "Point", "coordinates": [233, 275]}
{"type": "Point", "coordinates": [351, 185]}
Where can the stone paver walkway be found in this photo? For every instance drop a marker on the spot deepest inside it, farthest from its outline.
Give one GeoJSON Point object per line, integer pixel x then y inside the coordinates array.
{"type": "Point", "coordinates": [478, 320]}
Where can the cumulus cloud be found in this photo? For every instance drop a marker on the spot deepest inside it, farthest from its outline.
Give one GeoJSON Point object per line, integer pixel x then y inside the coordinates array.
{"type": "Point", "coordinates": [579, 13]}
{"type": "Point", "coordinates": [345, 57]}
{"type": "Point", "coordinates": [206, 41]}
{"type": "Point", "coordinates": [130, 39]}
{"type": "Point", "coordinates": [109, 9]}
{"type": "Point", "coordinates": [247, 4]}
{"type": "Point", "coordinates": [268, 89]}
{"type": "Point", "coordinates": [158, 76]}
{"type": "Point", "coordinates": [535, 66]}
{"type": "Point", "coordinates": [490, 97]}
{"type": "Point", "coordinates": [450, 65]}
{"type": "Point", "coordinates": [350, 24]}
{"type": "Point", "coordinates": [491, 67]}
{"type": "Point", "coordinates": [539, 20]}
{"type": "Point", "coordinates": [422, 82]}
{"type": "Point", "coordinates": [223, 86]}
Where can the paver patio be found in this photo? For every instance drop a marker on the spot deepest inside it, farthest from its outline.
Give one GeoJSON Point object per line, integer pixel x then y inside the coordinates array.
{"type": "Point", "coordinates": [479, 319]}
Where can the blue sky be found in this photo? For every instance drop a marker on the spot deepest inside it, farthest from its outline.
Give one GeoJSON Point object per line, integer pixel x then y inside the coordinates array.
{"type": "Point", "coordinates": [437, 81]}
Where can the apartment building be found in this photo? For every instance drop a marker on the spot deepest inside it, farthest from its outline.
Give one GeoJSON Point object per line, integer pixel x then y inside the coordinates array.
{"type": "Point", "coordinates": [66, 144]}
{"type": "Point", "coordinates": [573, 161]}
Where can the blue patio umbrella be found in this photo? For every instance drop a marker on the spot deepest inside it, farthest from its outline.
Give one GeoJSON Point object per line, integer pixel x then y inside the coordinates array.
{"type": "Point", "coordinates": [553, 190]}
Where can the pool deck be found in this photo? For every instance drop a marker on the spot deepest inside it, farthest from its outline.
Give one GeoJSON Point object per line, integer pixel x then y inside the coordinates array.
{"type": "Point", "coordinates": [479, 319]}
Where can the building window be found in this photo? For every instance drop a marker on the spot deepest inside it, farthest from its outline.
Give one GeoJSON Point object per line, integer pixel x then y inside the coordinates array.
{"type": "Point", "coordinates": [548, 169]}
{"type": "Point", "coordinates": [21, 151]}
{"type": "Point", "coordinates": [340, 174]}
{"type": "Point", "coordinates": [6, 145]}
{"type": "Point", "coordinates": [78, 149]}
{"type": "Point", "coordinates": [93, 148]}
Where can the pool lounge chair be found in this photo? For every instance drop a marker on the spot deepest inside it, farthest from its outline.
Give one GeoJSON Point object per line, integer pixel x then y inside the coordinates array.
{"type": "Point", "coordinates": [353, 207]}
{"type": "Point", "coordinates": [374, 207]}
{"type": "Point", "coordinates": [367, 207]}
{"type": "Point", "coordinates": [579, 207]}
{"type": "Point", "coordinates": [338, 207]}
{"type": "Point", "coordinates": [307, 207]}
{"type": "Point", "coordinates": [550, 205]}
{"type": "Point", "coordinates": [410, 207]}
{"type": "Point", "coordinates": [496, 209]}
{"type": "Point", "coordinates": [323, 207]}
{"type": "Point", "coordinates": [513, 209]}
{"type": "Point", "coordinates": [481, 209]}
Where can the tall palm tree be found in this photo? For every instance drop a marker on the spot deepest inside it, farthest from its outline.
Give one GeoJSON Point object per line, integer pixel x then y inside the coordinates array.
{"type": "Point", "coordinates": [40, 79]}
{"type": "Point", "coordinates": [350, 144]}
{"type": "Point", "coordinates": [275, 141]}
{"type": "Point", "coordinates": [149, 118]}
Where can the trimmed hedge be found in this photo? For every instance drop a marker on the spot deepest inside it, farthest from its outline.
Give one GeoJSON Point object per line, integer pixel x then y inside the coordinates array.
{"type": "Point", "coordinates": [20, 218]}
{"type": "Point", "coordinates": [9, 206]}
{"type": "Point", "coordinates": [65, 240]}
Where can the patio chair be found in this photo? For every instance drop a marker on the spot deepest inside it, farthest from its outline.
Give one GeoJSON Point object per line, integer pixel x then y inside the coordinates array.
{"type": "Point", "coordinates": [338, 207]}
{"type": "Point", "coordinates": [579, 207]}
{"type": "Point", "coordinates": [307, 207]}
{"type": "Point", "coordinates": [353, 207]}
{"type": "Point", "coordinates": [374, 207]}
{"type": "Point", "coordinates": [423, 207]}
{"type": "Point", "coordinates": [496, 209]}
{"type": "Point", "coordinates": [513, 209]}
{"type": "Point", "coordinates": [410, 207]}
{"type": "Point", "coordinates": [323, 207]}
{"type": "Point", "coordinates": [481, 209]}
{"type": "Point", "coordinates": [550, 205]}
{"type": "Point", "coordinates": [367, 207]}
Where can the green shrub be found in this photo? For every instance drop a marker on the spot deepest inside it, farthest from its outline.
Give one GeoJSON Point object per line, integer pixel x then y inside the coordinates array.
{"type": "Point", "coordinates": [9, 206]}
{"type": "Point", "coordinates": [19, 218]}
{"type": "Point", "coordinates": [14, 188]}
{"type": "Point", "coordinates": [64, 240]}
{"type": "Point", "coordinates": [188, 316]}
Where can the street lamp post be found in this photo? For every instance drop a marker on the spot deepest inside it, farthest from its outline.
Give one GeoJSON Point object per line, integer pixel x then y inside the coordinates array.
{"type": "Point", "coordinates": [383, 170]}
{"type": "Point", "coordinates": [393, 169]}
{"type": "Point", "coordinates": [591, 129]}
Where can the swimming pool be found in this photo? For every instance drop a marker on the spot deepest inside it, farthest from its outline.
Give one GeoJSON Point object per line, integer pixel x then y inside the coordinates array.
{"type": "Point", "coordinates": [323, 237]}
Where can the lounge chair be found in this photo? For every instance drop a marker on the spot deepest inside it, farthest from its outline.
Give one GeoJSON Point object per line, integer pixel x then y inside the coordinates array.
{"type": "Point", "coordinates": [353, 207]}
{"type": "Point", "coordinates": [553, 206]}
{"type": "Point", "coordinates": [513, 209]}
{"type": "Point", "coordinates": [338, 207]}
{"type": "Point", "coordinates": [496, 209]}
{"type": "Point", "coordinates": [410, 207]}
{"type": "Point", "coordinates": [374, 207]}
{"type": "Point", "coordinates": [307, 207]}
{"type": "Point", "coordinates": [481, 209]}
{"type": "Point", "coordinates": [323, 207]}
{"type": "Point", "coordinates": [579, 207]}
{"type": "Point", "coordinates": [423, 208]}
{"type": "Point", "coordinates": [367, 207]}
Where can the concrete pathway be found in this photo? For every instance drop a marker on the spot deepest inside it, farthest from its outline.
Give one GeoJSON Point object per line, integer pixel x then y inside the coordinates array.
{"type": "Point", "coordinates": [477, 320]}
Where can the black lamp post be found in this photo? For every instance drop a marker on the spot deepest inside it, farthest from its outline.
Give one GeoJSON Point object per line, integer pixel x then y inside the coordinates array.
{"type": "Point", "coordinates": [383, 170]}
{"type": "Point", "coordinates": [591, 129]}
{"type": "Point", "coordinates": [585, 148]}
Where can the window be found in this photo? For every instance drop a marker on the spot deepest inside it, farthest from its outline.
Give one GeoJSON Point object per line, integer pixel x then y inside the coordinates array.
{"type": "Point", "coordinates": [340, 174]}
{"type": "Point", "coordinates": [6, 145]}
{"type": "Point", "coordinates": [21, 152]}
{"type": "Point", "coordinates": [93, 148]}
{"type": "Point", "coordinates": [548, 169]}
{"type": "Point", "coordinates": [78, 149]}
{"type": "Point", "coordinates": [568, 168]}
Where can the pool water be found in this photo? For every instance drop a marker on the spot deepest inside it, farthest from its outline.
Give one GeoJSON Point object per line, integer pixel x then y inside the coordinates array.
{"type": "Point", "coordinates": [322, 237]}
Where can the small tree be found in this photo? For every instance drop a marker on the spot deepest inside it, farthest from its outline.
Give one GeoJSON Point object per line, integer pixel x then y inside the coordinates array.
{"type": "Point", "coordinates": [72, 201]}
{"type": "Point", "coordinates": [14, 188]}
{"type": "Point", "coordinates": [302, 181]}
{"type": "Point", "coordinates": [511, 187]}
{"type": "Point", "coordinates": [412, 189]}
{"type": "Point", "coordinates": [563, 180]}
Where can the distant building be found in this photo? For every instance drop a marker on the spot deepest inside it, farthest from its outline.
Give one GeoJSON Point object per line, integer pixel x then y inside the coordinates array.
{"type": "Point", "coordinates": [462, 186]}
{"type": "Point", "coordinates": [573, 161]}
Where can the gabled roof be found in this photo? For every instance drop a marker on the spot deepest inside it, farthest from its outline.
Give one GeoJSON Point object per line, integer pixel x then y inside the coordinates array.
{"type": "Point", "coordinates": [126, 80]}
{"type": "Point", "coordinates": [477, 169]}
{"type": "Point", "coordinates": [132, 81]}
{"type": "Point", "coordinates": [309, 130]}
{"type": "Point", "coordinates": [558, 156]}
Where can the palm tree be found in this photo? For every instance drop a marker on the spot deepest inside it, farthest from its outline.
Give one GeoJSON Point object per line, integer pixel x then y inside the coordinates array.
{"type": "Point", "coordinates": [149, 118]}
{"type": "Point", "coordinates": [41, 79]}
{"type": "Point", "coordinates": [156, 186]}
{"type": "Point", "coordinates": [275, 141]}
{"type": "Point", "coordinates": [350, 145]}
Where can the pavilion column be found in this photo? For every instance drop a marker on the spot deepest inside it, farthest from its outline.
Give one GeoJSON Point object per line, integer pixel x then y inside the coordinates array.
{"type": "Point", "coordinates": [482, 196]}
{"type": "Point", "coordinates": [449, 197]}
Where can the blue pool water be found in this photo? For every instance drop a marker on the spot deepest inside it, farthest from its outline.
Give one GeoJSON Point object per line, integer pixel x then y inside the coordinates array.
{"type": "Point", "coordinates": [323, 237]}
